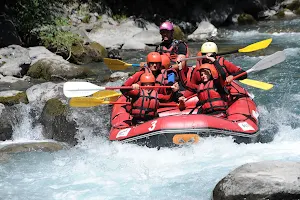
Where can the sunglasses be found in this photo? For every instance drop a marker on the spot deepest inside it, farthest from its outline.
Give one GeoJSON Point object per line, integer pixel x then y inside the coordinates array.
{"type": "Point", "coordinates": [152, 63]}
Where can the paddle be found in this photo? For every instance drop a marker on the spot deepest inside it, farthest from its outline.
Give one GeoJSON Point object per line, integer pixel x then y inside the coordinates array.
{"type": "Point", "coordinates": [107, 95]}
{"type": "Point", "coordinates": [115, 64]}
{"type": "Point", "coordinates": [81, 89]}
{"type": "Point", "coordinates": [257, 84]}
{"type": "Point", "coordinates": [94, 101]}
{"type": "Point", "coordinates": [250, 48]}
{"type": "Point", "coordinates": [263, 64]}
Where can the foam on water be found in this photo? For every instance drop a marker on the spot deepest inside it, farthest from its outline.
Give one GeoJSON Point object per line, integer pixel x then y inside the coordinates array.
{"type": "Point", "coordinates": [99, 169]}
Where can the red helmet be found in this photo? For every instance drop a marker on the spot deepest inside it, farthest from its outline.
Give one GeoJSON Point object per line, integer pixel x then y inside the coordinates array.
{"type": "Point", "coordinates": [210, 68]}
{"type": "Point", "coordinates": [147, 78]}
{"type": "Point", "coordinates": [199, 60]}
{"type": "Point", "coordinates": [165, 61]}
{"type": "Point", "coordinates": [153, 57]}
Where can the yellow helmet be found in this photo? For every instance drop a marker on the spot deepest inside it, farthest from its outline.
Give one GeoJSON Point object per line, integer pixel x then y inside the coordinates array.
{"type": "Point", "coordinates": [209, 47]}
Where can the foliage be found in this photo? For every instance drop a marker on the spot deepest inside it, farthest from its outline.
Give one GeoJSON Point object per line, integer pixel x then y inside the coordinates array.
{"type": "Point", "coordinates": [53, 37]}
{"type": "Point", "coordinates": [294, 5]}
{"type": "Point", "coordinates": [86, 19]}
{"type": "Point", "coordinates": [30, 14]}
{"type": "Point", "coordinates": [119, 18]}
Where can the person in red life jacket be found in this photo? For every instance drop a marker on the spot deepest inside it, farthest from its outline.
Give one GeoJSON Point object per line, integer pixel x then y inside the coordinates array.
{"type": "Point", "coordinates": [144, 102]}
{"type": "Point", "coordinates": [210, 91]}
{"type": "Point", "coordinates": [170, 46]}
{"type": "Point", "coordinates": [154, 62]}
{"type": "Point", "coordinates": [165, 61]}
{"type": "Point", "coordinates": [186, 73]}
{"type": "Point", "coordinates": [226, 70]}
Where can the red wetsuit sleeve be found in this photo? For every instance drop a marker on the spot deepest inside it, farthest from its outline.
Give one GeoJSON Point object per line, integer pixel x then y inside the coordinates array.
{"type": "Point", "coordinates": [164, 97]}
{"type": "Point", "coordinates": [233, 69]}
{"type": "Point", "coordinates": [133, 79]}
{"type": "Point", "coordinates": [182, 76]}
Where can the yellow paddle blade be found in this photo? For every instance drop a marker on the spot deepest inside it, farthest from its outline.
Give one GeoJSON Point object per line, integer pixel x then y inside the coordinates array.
{"type": "Point", "coordinates": [256, 46]}
{"type": "Point", "coordinates": [109, 95]}
{"type": "Point", "coordinates": [115, 64]}
{"type": "Point", "coordinates": [257, 84]}
{"type": "Point", "coordinates": [86, 102]}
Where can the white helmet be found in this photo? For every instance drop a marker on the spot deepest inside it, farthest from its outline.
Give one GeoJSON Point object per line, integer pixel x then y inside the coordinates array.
{"type": "Point", "coordinates": [209, 47]}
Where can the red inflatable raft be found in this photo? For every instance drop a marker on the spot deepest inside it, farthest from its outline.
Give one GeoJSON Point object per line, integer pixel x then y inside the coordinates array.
{"type": "Point", "coordinates": [174, 127]}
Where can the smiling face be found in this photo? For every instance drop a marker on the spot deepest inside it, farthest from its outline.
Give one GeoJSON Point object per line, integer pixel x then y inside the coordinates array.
{"type": "Point", "coordinates": [166, 35]}
{"type": "Point", "coordinates": [154, 66]}
{"type": "Point", "coordinates": [205, 75]}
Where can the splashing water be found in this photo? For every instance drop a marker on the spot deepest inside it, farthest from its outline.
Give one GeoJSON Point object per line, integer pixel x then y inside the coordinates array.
{"type": "Point", "coordinates": [99, 169]}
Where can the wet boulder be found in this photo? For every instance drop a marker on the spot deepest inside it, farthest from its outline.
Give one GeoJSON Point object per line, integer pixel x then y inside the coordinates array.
{"type": "Point", "coordinates": [37, 145]}
{"type": "Point", "coordinates": [5, 126]}
{"type": "Point", "coordinates": [58, 125]}
{"type": "Point", "coordinates": [14, 61]}
{"type": "Point", "coordinates": [52, 69]}
{"type": "Point", "coordinates": [270, 180]}
{"type": "Point", "coordinates": [244, 19]}
{"type": "Point", "coordinates": [205, 30]}
{"type": "Point", "coordinates": [12, 97]}
{"type": "Point", "coordinates": [87, 53]}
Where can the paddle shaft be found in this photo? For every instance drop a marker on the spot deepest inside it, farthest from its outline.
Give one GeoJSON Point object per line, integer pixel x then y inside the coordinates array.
{"type": "Point", "coordinates": [201, 57]}
{"type": "Point", "coordinates": [130, 87]}
{"type": "Point", "coordinates": [239, 75]}
{"type": "Point", "coordinates": [161, 104]}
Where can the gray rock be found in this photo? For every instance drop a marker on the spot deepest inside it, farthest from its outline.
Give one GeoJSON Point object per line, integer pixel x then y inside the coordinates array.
{"type": "Point", "coordinates": [5, 125]}
{"type": "Point", "coordinates": [57, 125]}
{"type": "Point", "coordinates": [46, 145]}
{"type": "Point", "coordinates": [272, 180]}
{"type": "Point", "coordinates": [52, 69]}
{"type": "Point", "coordinates": [14, 61]}
{"type": "Point", "coordinates": [205, 30]}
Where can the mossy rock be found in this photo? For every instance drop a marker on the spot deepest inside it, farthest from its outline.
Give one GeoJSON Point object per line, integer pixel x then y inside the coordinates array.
{"type": "Point", "coordinates": [19, 97]}
{"type": "Point", "coordinates": [55, 107]}
{"type": "Point", "coordinates": [178, 33]}
{"type": "Point", "coordinates": [51, 69]}
{"type": "Point", "coordinates": [87, 53]}
{"type": "Point", "coordinates": [294, 5]}
{"type": "Point", "coordinates": [244, 19]}
{"type": "Point", "coordinates": [297, 11]}
{"type": "Point", "coordinates": [57, 125]}
{"type": "Point", "coordinates": [280, 14]}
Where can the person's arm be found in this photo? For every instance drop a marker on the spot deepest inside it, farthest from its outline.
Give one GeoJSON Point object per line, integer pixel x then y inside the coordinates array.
{"type": "Point", "coordinates": [133, 79]}
{"type": "Point", "coordinates": [130, 93]}
{"type": "Point", "coordinates": [164, 97]}
{"type": "Point", "coordinates": [192, 86]}
{"type": "Point", "coordinates": [234, 70]}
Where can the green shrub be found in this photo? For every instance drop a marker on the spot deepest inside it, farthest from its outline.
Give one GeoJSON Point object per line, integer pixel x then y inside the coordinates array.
{"type": "Point", "coordinates": [30, 14]}
{"type": "Point", "coordinates": [280, 14]}
{"type": "Point", "coordinates": [294, 5]}
{"type": "Point", "coordinates": [53, 37]}
{"type": "Point", "coordinates": [119, 18]}
{"type": "Point", "coordinates": [86, 19]}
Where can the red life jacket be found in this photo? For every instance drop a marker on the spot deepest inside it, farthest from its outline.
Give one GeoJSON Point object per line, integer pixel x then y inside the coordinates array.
{"type": "Point", "coordinates": [209, 98]}
{"type": "Point", "coordinates": [236, 91]}
{"type": "Point", "coordinates": [162, 79]}
{"type": "Point", "coordinates": [172, 52]}
{"type": "Point", "coordinates": [144, 69]}
{"type": "Point", "coordinates": [146, 105]}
